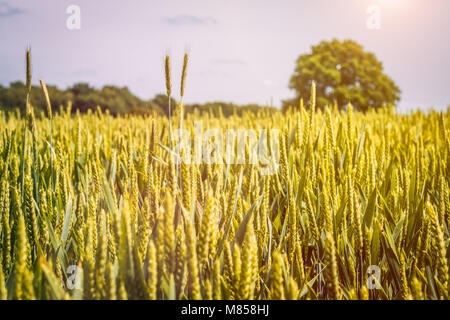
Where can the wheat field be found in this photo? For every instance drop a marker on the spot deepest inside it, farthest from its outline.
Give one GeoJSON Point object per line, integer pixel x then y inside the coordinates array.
{"type": "Point", "coordinates": [97, 207]}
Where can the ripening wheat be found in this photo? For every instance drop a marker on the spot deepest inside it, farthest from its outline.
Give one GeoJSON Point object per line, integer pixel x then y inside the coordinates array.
{"type": "Point", "coordinates": [106, 197]}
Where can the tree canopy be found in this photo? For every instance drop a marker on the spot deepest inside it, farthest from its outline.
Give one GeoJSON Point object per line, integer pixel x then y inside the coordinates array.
{"type": "Point", "coordinates": [344, 73]}
{"type": "Point", "coordinates": [118, 100]}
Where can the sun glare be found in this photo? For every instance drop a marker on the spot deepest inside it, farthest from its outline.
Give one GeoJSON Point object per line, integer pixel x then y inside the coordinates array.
{"type": "Point", "coordinates": [392, 3]}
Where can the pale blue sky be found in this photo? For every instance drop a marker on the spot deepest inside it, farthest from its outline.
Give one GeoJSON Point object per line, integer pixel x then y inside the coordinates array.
{"type": "Point", "coordinates": [241, 51]}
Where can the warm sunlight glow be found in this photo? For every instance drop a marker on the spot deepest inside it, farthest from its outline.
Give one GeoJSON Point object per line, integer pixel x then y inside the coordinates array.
{"type": "Point", "coordinates": [392, 3]}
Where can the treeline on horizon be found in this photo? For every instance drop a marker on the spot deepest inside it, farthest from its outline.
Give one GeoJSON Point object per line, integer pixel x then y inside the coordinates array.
{"type": "Point", "coordinates": [117, 100]}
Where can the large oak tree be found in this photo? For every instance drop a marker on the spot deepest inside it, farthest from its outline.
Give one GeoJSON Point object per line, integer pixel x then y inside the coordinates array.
{"type": "Point", "coordinates": [344, 73]}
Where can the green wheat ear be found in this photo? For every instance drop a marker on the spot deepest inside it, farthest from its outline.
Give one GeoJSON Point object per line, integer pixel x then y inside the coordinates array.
{"type": "Point", "coordinates": [28, 71]}
{"type": "Point", "coordinates": [47, 99]}
{"type": "Point", "coordinates": [183, 74]}
{"type": "Point", "coordinates": [168, 91]}
{"type": "Point", "coordinates": [27, 105]}
{"type": "Point", "coordinates": [183, 81]}
{"type": "Point", "coordinates": [313, 96]}
{"type": "Point", "coordinates": [167, 73]}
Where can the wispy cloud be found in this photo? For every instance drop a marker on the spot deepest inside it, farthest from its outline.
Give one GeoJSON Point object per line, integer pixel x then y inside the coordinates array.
{"type": "Point", "coordinates": [7, 10]}
{"type": "Point", "coordinates": [185, 19]}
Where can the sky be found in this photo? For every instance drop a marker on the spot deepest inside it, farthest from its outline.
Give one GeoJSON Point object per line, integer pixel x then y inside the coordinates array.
{"type": "Point", "coordinates": [241, 51]}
